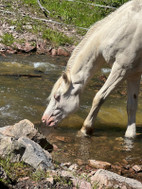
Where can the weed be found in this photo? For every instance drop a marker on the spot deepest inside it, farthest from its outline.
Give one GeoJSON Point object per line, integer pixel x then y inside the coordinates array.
{"type": "Point", "coordinates": [7, 39]}
{"type": "Point", "coordinates": [15, 170]}
{"type": "Point", "coordinates": [63, 181]}
{"type": "Point", "coordinates": [39, 175]}
{"type": "Point", "coordinates": [57, 38]}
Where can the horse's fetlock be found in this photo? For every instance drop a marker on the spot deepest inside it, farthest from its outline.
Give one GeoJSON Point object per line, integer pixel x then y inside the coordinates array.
{"type": "Point", "coordinates": [87, 130]}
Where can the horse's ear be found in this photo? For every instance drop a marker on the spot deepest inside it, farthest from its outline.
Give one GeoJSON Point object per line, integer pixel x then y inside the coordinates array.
{"type": "Point", "coordinates": [67, 80]}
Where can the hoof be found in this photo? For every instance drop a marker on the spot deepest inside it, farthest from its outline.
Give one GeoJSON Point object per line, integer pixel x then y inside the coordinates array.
{"type": "Point", "coordinates": [82, 134]}
{"type": "Point", "coordinates": [130, 135]}
{"type": "Point", "coordinates": [86, 131]}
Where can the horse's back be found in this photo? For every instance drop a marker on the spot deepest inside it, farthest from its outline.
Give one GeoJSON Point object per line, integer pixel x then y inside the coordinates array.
{"type": "Point", "coordinates": [121, 35]}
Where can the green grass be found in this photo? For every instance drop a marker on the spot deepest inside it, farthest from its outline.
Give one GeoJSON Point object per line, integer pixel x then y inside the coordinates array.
{"type": "Point", "coordinates": [77, 14]}
{"type": "Point", "coordinates": [7, 39]}
{"type": "Point", "coordinates": [14, 170]}
{"type": "Point", "coordinates": [57, 38]}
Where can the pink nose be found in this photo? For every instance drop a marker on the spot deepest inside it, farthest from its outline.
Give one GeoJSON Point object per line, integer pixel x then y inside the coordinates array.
{"type": "Point", "coordinates": [48, 120]}
{"type": "Point", "coordinates": [44, 118]}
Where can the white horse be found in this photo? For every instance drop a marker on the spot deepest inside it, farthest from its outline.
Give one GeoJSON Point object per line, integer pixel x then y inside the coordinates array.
{"type": "Point", "coordinates": [115, 40]}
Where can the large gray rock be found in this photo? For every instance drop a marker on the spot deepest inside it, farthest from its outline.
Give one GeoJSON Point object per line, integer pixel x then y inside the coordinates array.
{"type": "Point", "coordinates": [27, 129]}
{"type": "Point", "coordinates": [23, 128]}
{"type": "Point", "coordinates": [107, 179]}
{"type": "Point", "coordinates": [35, 155]}
{"type": "Point", "coordinates": [16, 144]}
{"type": "Point", "coordinates": [24, 149]}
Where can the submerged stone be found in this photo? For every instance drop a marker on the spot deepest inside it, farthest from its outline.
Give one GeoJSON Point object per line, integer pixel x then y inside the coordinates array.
{"type": "Point", "coordinates": [99, 164]}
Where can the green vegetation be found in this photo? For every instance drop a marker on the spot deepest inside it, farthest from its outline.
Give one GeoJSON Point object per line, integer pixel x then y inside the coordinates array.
{"type": "Point", "coordinates": [39, 175]}
{"type": "Point", "coordinates": [14, 170]}
{"type": "Point", "coordinates": [81, 13]}
{"type": "Point", "coordinates": [57, 38]}
{"type": "Point", "coordinates": [7, 39]}
{"type": "Point", "coordinates": [75, 15]}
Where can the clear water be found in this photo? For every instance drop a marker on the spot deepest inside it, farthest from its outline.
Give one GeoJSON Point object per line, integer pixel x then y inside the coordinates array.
{"type": "Point", "coordinates": [25, 98]}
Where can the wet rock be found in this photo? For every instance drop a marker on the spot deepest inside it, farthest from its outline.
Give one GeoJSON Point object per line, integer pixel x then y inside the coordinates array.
{"type": "Point", "coordinates": [117, 169]}
{"type": "Point", "coordinates": [27, 129]}
{"type": "Point", "coordinates": [81, 184]}
{"type": "Point", "coordinates": [63, 139]}
{"type": "Point", "coordinates": [79, 162]}
{"type": "Point", "coordinates": [62, 52]}
{"type": "Point", "coordinates": [137, 168]}
{"type": "Point", "coordinates": [124, 162]}
{"type": "Point", "coordinates": [107, 179]}
{"type": "Point", "coordinates": [99, 164]}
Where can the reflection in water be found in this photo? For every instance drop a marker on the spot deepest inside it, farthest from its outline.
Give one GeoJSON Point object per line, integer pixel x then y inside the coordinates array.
{"type": "Point", "coordinates": [25, 98]}
{"type": "Point", "coordinates": [128, 144]}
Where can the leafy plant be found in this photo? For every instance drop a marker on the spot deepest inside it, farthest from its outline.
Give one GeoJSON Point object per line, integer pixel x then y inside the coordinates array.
{"type": "Point", "coordinates": [14, 170]}
{"type": "Point", "coordinates": [7, 39]}
{"type": "Point", "coordinates": [39, 175]}
{"type": "Point", "coordinates": [57, 38]}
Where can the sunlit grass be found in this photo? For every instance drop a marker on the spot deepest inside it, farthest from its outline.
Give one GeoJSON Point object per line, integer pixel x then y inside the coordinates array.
{"type": "Point", "coordinates": [79, 13]}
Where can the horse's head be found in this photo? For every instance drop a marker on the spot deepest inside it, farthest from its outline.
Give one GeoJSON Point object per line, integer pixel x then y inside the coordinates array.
{"type": "Point", "coordinates": [63, 100]}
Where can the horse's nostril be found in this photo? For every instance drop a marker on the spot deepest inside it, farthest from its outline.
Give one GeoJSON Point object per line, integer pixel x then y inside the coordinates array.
{"type": "Point", "coordinates": [43, 120]}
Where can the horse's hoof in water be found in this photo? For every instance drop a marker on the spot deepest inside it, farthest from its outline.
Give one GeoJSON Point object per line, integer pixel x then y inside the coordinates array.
{"type": "Point", "coordinates": [85, 132]}
{"type": "Point", "coordinates": [130, 135]}
{"type": "Point", "coordinates": [82, 134]}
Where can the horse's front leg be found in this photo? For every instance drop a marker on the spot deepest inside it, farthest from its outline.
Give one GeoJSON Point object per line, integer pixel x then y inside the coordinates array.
{"type": "Point", "coordinates": [132, 100]}
{"type": "Point", "coordinates": [116, 76]}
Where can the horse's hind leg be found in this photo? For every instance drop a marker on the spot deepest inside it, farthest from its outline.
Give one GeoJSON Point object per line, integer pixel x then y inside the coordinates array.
{"type": "Point", "coordinates": [117, 74]}
{"type": "Point", "coordinates": [132, 100]}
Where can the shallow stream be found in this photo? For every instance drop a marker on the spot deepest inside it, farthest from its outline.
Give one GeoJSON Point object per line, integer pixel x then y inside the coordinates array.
{"type": "Point", "coordinates": [26, 82]}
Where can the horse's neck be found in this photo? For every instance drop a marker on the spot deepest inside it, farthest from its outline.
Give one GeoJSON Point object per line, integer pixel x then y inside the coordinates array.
{"type": "Point", "coordinates": [85, 64]}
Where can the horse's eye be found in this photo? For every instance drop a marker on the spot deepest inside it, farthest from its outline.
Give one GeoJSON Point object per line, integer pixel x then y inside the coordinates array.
{"type": "Point", "coordinates": [57, 97]}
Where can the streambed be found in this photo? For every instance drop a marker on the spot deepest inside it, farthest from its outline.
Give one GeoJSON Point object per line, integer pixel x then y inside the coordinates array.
{"type": "Point", "coordinates": [26, 82]}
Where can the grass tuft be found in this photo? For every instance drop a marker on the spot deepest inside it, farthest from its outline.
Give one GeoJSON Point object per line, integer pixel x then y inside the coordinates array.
{"type": "Point", "coordinates": [7, 39]}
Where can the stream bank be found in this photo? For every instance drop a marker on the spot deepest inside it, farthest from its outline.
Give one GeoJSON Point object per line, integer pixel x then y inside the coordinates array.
{"type": "Point", "coordinates": [27, 163]}
{"type": "Point", "coordinates": [25, 29]}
